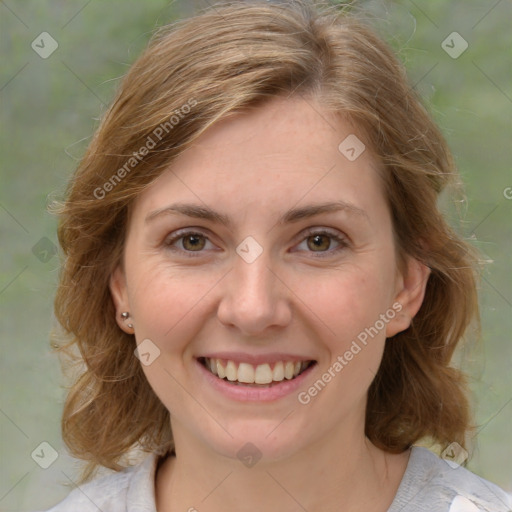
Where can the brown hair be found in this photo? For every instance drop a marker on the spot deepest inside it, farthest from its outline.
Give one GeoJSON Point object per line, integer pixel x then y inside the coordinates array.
{"type": "Point", "coordinates": [229, 58]}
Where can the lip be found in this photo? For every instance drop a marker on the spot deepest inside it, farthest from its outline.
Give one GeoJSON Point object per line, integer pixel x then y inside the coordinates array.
{"type": "Point", "coordinates": [252, 394]}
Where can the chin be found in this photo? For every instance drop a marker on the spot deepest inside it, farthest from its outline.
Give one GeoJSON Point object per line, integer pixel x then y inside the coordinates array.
{"type": "Point", "coordinates": [257, 442]}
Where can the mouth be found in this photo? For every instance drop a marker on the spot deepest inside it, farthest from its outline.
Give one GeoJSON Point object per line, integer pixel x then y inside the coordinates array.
{"type": "Point", "coordinates": [264, 375]}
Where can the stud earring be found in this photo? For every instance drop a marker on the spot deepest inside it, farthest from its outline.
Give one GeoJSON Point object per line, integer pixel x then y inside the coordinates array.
{"type": "Point", "coordinates": [125, 315]}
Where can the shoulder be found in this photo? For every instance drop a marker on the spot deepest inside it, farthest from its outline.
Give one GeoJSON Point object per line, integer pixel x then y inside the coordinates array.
{"type": "Point", "coordinates": [434, 485]}
{"type": "Point", "coordinates": [130, 489]}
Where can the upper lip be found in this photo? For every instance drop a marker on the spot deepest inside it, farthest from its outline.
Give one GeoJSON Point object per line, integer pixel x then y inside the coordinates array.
{"type": "Point", "coordinates": [256, 359]}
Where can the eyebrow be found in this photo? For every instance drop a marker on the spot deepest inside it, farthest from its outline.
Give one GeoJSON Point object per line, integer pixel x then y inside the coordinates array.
{"type": "Point", "coordinates": [291, 216]}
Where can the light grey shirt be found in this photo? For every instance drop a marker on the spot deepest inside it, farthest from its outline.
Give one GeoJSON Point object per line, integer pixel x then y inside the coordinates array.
{"type": "Point", "coordinates": [429, 484]}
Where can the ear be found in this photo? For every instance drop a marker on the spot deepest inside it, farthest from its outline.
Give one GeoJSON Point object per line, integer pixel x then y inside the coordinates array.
{"type": "Point", "coordinates": [410, 292]}
{"type": "Point", "coordinates": [119, 292]}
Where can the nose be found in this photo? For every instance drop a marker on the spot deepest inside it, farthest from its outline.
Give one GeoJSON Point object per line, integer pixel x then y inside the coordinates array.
{"type": "Point", "coordinates": [255, 298]}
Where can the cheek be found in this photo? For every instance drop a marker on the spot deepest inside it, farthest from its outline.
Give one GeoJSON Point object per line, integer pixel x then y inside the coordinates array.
{"type": "Point", "coordinates": [347, 301]}
{"type": "Point", "coordinates": [350, 305]}
{"type": "Point", "coordinates": [165, 300]}
{"type": "Point", "coordinates": [168, 306]}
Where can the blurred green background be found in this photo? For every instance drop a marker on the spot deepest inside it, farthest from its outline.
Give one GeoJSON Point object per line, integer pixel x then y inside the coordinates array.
{"type": "Point", "coordinates": [50, 107]}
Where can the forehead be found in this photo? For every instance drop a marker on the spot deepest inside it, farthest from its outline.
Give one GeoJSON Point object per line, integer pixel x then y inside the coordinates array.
{"type": "Point", "coordinates": [276, 155]}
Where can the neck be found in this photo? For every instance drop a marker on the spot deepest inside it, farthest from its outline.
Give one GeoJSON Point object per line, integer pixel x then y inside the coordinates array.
{"type": "Point", "coordinates": [335, 472]}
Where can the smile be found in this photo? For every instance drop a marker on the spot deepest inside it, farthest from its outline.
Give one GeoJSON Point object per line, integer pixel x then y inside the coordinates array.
{"type": "Point", "coordinates": [262, 375]}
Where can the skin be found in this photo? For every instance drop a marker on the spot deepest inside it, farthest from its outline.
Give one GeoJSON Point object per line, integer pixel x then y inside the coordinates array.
{"type": "Point", "coordinates": [297, 297]}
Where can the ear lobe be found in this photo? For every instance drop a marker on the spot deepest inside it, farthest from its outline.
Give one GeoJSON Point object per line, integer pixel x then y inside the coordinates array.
{"type": "Point", "coordinates": [118, 291]}
{"type": "Point", "coordinates": [411, 292]}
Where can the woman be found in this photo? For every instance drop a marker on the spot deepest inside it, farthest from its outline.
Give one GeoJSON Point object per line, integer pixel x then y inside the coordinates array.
{"type": "Point", "coordinates": [264, 294]}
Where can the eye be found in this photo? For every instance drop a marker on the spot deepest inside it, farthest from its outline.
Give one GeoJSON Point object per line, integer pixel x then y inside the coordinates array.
{"type": "Point", "coordinates": [322, 242]}
{"type": "Point", "coordinates": [188, 241]}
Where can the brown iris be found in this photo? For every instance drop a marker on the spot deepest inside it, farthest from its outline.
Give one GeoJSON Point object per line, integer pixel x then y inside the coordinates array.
{"type": "Point", "coordinates": [193, 242]}
{"type": "Point", "coordinates": [319, 242]}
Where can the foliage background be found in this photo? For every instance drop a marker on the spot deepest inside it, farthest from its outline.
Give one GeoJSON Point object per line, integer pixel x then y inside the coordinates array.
{"type": "Point", "coordinates": [50, 108]}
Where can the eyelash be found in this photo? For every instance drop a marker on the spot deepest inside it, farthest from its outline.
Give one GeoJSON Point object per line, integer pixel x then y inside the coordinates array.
{"type": "Point", "coordinates": [342, 241]}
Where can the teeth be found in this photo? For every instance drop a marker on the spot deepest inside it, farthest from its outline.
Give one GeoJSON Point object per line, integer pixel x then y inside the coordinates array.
{"type": "Point", "coordinates": [231, 371]}
{"type": "Point", "coordinates": [246, 373]}
{"type": "Point", "coordinates": [288, 370]}
{"type": "Point", "coordinates": [261, 374]}
{"type": "Point", "coordinates": [220, 370]}
{"type": "Point", "coordinates": [278, 373]}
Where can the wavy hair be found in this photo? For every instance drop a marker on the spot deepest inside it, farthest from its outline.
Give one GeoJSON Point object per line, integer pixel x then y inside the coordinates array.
{"type": "Point", "coordinates": [226, 59]}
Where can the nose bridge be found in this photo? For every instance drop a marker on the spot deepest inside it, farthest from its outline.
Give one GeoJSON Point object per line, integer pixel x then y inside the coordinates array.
{"type": "Point", "coordinates": [254, 280]}
{"type": "Point", "coordinates": [254, 298]}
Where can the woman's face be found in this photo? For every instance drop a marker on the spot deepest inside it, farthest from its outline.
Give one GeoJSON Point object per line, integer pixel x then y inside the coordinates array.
{"type": "Point", "coordinates": [265, 249]}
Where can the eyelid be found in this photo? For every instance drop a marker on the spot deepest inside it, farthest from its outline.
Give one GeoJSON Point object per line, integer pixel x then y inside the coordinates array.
{"type": "Point", "coordinates": [335, 233]}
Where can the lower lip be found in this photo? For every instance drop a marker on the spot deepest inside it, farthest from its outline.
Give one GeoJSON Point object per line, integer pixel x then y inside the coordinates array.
{"type": "Point", "coordinates": [254, 394]}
